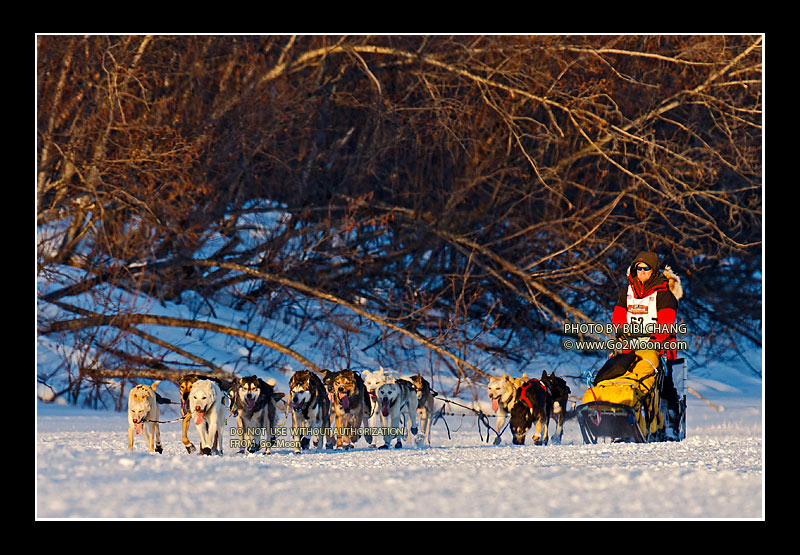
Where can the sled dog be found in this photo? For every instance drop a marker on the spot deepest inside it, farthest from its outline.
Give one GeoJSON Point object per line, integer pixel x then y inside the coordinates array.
{"type": "Point", "coordinates": [327, 381]}
{"type": "Point", "coordinates": [253, 404]}
{"type": "Point", "coordinates": [559, 392]}
{"type": "Point", "coordinates": [143, 414]}
{"type": "Point", "coordinates": [397, 397]}
{"type": "Point", "coordinates": [533, 406]}
{"type": "Point", "coordinates": [208, 414]}
{"type": "Point", "coordinates": [372, 381]}
{"type": "Point", "coordinates": [425, 397]}
{"type": "Point", "coordinates": [185, 387]}
{"type": "Point", "coordinates": [351, 408]}
{"type": "Point", "coordinates": [502, 391]}
{"type": "Point", "coordinates": [311, 410]}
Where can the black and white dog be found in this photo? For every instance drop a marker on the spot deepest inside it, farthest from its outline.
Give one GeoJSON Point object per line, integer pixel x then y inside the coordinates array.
{"type": "Point", "coordinates": [559, 392]}
{"type": "Point", "coordinates": [253, 404]}
{"type": "Point", "coordinates": [311, 410]}
{"type": "Point", "coordinates": [396, 397]}
{"type": "Point", "coordinates": [533, 406]}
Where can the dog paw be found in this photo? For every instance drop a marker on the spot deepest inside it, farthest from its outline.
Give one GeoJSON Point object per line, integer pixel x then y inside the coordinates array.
{"type": "Point", "coordinates": [398, 445]}
{"type": "Point", "coordinates": [384, 446]}
{"type": "Point", "coordinates": [190, 448]}
{"type": "Point", "coordinates": [205, 451]}
{"type": "Point", "coordinates": [159, 449]}
{"type": "Point", "coordinates": [414, 431]}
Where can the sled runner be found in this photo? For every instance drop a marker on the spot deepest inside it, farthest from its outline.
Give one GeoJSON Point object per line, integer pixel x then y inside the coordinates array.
{"type": "Point", "coordinates": [628, 400]}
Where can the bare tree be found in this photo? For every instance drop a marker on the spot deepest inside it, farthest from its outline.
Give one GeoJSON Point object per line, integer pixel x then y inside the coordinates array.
{"type": "Point", "coordinates": [466, 194]}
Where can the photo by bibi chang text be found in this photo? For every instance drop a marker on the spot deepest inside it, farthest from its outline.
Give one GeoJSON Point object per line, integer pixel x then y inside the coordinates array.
{"type": "Point", "coordinates": [624, 343]}
{"type": "Point", "coordinates": [629, 328]}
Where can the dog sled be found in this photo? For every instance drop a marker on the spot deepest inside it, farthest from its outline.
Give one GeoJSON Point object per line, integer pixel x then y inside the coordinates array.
{"type": "Point", "coordinates": [635, 397]}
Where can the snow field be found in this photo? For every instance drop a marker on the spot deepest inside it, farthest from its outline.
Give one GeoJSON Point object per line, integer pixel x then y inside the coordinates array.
{"type": "Point", "coordinates": [84, 470]}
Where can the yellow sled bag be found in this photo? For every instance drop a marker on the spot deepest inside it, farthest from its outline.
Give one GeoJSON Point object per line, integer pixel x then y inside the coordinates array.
{"type": "Point", "coordinates": [636, 388]}
{"type": "Point", "coordinates": [630, 389]}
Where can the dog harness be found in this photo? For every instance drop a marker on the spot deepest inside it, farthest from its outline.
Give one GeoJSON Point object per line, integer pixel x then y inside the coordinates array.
{"type": "Point", "coordinates": [523, 390]}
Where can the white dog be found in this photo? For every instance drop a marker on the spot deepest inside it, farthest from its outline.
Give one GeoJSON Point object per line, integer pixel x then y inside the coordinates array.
{"type": "Point", "coordinates": [502, 391]}
{"type": "Point", "coordinates": [205, 404]}
{"type": "Point", "coordinates": [143, 414]}
{"type": "Point", "coordinates": [373, 381]}
{"type": "Point", "coordinates": [396, 397]}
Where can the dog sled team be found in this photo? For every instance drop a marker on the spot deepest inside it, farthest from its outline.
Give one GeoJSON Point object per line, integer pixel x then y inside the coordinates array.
{"type": "Point", "coordinates": [334, 411]}
{"type": "Point", "coordinates": [633, 397]}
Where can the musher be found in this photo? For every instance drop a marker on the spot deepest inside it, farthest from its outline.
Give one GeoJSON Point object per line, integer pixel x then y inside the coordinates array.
{"type": "Point", "coordinates": [648, 299]}
{"type": "Point", "coordinates": [651, 297]}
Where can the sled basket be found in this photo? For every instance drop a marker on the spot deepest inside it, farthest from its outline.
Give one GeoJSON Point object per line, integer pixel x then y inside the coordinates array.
{"type": "Point", "coordinates": [625, 408]}
{"type": "Point", "coordinates": [640, 406]}
{"type": "Point", "coordinates": [602, 419]}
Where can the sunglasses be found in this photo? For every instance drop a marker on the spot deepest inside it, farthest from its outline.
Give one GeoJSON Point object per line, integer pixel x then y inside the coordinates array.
{"type": "Point", "coordinates": [643, 268]}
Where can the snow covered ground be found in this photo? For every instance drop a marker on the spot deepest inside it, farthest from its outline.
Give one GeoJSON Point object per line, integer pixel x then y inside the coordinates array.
{"type": "Point", "coordinates": [84, 470]}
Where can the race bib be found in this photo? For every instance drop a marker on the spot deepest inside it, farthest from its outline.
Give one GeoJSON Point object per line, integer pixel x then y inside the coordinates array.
{"type": "Point", "coordinates": [642, 311]}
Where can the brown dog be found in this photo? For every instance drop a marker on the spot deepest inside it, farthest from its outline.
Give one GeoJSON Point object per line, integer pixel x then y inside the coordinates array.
{"type": "Point", "coordinates": [351, 406]}
{"type": "Point", "coordinates": [311, 410]}
{"type": "Point", "coordinates": [425, 397]}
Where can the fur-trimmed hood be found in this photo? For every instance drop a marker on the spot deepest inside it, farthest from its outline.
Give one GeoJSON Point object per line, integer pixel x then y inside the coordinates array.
{"type": "Point", "coordinates": [659, 281]}
{"type": "Point", "coordinates": [674, 282]}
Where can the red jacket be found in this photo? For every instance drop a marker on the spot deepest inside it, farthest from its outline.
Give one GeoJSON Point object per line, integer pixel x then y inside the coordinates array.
{"type": "Point", "coordinates": [666, 303]}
